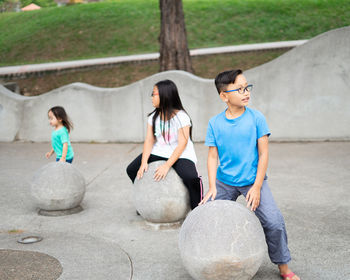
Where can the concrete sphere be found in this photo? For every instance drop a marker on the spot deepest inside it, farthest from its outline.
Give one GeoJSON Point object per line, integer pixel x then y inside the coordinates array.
{"type": "Point", "coordinates": [166, 201]}
{"type": "Point", "coordinates": [222, 240]}
{"type": "Point", "coordinates": [58, 186]}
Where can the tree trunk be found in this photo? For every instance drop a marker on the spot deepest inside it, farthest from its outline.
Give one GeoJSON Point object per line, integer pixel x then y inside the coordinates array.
{"type": "Point", "coordinates": [174, 53]}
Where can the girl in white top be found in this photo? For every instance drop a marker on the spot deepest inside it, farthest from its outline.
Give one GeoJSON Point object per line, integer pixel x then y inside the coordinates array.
{"type": "Point", "coordinates": [168, 137]}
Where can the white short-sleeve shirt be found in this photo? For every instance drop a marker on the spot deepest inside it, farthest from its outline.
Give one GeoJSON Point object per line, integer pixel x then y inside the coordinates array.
{"type": "Point", "coordinates": [165, 147]}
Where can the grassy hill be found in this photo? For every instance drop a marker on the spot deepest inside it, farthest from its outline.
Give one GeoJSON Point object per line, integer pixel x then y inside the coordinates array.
{"type": "Point", "coordinates": [122, 27]}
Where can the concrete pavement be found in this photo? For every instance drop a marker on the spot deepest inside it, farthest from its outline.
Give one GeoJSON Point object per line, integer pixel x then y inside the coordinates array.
{"type": "Point", "coordinates": [310, 182]}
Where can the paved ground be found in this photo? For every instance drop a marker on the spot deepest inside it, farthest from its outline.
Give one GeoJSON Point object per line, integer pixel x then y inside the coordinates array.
{"type": "Point", "coordinates": [310, 182]}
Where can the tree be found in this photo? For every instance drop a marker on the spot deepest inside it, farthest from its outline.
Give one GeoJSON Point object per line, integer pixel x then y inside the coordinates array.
{"type": "Point", "coordinates": [9, 6]}
{"type": "Point", "coordinates": [174, 53]}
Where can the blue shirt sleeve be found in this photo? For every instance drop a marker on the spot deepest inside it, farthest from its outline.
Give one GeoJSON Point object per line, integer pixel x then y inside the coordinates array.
{"type": "Point", "coordinates": [210, 138]}
{"type": "Point", "coordinates": [64, 136]}
{"type": "Point", "coordinates": [261, 126]}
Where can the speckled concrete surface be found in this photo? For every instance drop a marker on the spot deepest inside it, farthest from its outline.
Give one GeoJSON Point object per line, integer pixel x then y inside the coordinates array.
{"type": "Point", "coordinates": [107, 240]}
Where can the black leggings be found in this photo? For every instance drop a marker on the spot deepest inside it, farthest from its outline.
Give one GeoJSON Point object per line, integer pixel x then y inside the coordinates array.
{"type": "Point", "coordinates": [185, 168]}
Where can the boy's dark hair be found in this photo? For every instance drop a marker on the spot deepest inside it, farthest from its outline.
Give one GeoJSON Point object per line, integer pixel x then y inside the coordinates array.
{"type": "Point", "coordinates": [225, 78]}
{"type": "Point", "coordinates": [169, 101]}
{"type": "Point", "coordinates": [61, 114]}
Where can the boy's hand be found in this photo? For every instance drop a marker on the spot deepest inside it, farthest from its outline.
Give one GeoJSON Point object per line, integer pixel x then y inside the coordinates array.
{"type": "Point", "coordinates": [161, 172]}
{"type": "Point", "coordinates": [48, 155]}
{"type": "Point", "coordinates": [143, 168]}
{"type": "Point", "coordinates": [253, 198]}
{"type": "Point", "coordinates": [62, 159]}
{"type": "Point", "coordinates": [210, 194]}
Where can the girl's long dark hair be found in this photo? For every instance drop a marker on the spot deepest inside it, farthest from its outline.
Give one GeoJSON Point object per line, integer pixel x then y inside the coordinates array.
{"type": "Point", "coordinates": [169, 102]}
{"type": "Point", "coordinates": [61, 114]}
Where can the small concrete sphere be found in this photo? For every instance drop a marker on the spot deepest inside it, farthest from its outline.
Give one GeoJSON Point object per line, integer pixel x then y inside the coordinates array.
{"type": "Point", "coordinates": [222, 240]}
{"type": "Point", "coordinates": [165, 201]}
{"type": "Point", "coordinates": [58, 186]}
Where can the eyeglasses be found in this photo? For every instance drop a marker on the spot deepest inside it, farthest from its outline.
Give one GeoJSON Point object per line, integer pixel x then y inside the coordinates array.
{"type": "Point", "coordinates": [248, 88]}
{"type": "Point", "coordinates": [154, 94]}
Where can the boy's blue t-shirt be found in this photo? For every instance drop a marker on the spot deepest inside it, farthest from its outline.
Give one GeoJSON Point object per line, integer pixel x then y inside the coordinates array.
{"type": "Point", "coordinates": [58, 137]}
{"type": "Point", "coordinates": [236, 141]}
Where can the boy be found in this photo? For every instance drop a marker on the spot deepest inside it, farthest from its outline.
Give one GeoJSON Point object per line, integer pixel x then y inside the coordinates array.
{"type": "Point", "coordinates": [238, 137]}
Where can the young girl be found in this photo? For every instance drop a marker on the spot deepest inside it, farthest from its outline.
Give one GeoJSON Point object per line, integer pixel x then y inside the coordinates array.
{"type": "Point", "coordinates": [168, 137]}
{"type": "Point", "coordinates": [60, 136]}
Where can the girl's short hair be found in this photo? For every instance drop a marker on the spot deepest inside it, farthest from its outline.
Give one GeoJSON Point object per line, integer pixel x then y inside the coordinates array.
{"type": "Point", "coordinates": [169, 101]}
{"type": "Point", "coordinates": [61, 115]}
{"type": "Point", "coordinates": [225, 78]}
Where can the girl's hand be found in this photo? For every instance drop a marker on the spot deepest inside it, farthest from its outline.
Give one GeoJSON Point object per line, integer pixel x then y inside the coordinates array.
{"type": "Point", "coordinates": [161, 172]}
{"type": "Point", "coordinates": [143, 168]}
{"type": "Point", "coordinates": [48, 154]}
{"type": "Point", "coordinates": [62, 159]}
{"type": "Point", "coordinates": [210, 194]}
{"type": "Point", "coordinates": [253, 198]}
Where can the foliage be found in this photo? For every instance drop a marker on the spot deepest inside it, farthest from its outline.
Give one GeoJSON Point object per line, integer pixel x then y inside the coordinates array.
{"type": "Point", "coordinates": [15, 5]}
{"type": "Point", "coordinates": [8, 5]}
{"type": "Point", "coordinates": [122, 27]}
{"type": "Point", "coordinates": [41, 3]}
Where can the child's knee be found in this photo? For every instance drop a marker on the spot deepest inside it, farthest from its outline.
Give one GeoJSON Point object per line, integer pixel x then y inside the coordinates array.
{"type": "Point", "coordinates": [275, 223]}
{"type": "Point", "coordinates": [130, 171]}
{"type": "Point", "coordinates": [191, 180]}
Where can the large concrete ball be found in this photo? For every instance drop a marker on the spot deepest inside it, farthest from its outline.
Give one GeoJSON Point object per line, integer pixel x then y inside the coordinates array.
{"type": "Point", "coordinates": [165, 201]}
{"type": "Point", "coordinates": [222, 240]}
{"type": "Point", "coordinates": [58, 186]}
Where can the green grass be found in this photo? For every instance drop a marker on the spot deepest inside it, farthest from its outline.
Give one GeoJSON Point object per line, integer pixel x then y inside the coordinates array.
{"type": "Point", "coordinates": [121, 27]}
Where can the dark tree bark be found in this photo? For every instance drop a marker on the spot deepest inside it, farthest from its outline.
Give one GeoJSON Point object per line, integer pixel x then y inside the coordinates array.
{"type": "Point", "coordinates": [174, 53]}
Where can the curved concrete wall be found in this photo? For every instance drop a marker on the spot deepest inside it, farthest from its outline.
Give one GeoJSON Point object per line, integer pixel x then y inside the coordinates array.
{"type": "Point", "coordinates": [304, 94]}
{"type": "Point", "coordinates": [11, 114]}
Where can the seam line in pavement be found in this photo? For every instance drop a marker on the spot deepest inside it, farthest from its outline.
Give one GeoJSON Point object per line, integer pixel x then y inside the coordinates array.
{"type": "Point", "coordinates": [98, 175]}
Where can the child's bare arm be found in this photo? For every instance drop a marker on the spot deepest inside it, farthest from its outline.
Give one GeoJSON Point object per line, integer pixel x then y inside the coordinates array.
{"type": "Point", "coordinates": [147, 149]}
{"type": "Point", "coordinates": [263, 150]}
{"type": "Point", "coordinates": [253, 196]}
{"type": "Point", "coordinates": [64, 152]}
{"type": "Point", "coordinates": [212, 167]}
{"type": "Point", "coordinates": [49, 154]}
{"type": "Point", "coordinates": [183, 136]}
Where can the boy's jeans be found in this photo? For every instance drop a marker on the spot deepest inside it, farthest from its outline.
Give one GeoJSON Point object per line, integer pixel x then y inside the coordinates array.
{"type": "Point", "coordinates": [269, 215]}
